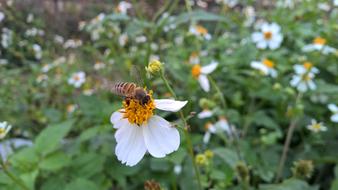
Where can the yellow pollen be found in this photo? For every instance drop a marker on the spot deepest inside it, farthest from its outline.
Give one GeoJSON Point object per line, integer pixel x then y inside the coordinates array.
{"type": "Point", "coordinates": [306, 77]}
{"type": "Point", "coordinates": [207, 125]}
{"type": "Point", "coordinates": [267, 35]}
{"type": "Point", "coordinates": [268, 63]}
{"type": "Point", "coordinates": [307, 65]}
{"type": "Point", "coordinates": [76, 78]}
{"type": "Point", "coordinates": [135, 112]}
{"type": "Point", "coordinates": [319, 41]}
{"type": "Point", "coordinates": [316, 126]}
{"type": "Point", "coordinates": [2, 131]}
{"type": "Point", "coordinates": [201, 30]}
{"type": "Point", "coordinates": [196, 70]}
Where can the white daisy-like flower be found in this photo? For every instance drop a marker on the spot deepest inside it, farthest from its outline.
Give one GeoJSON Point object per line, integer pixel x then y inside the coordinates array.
{"type": "Point", "coordinates": [123, 7]}
{"type": "Point", "coordinates": [2, 16]}
{"type": "Point", "coordinates": [334, 109]}
{"type": "Point", "coordinates": [199, 31]}
{"type": "Point", "coordinates": [4, 129]}
{"type": "Point", "coordinates": [123, 39]}
{"type": "Point", "coordinates": [266, 67]}
{"type": "Point", "coordinates": [37, 51]}
{"type": "Point", "coordinates": [269, 37]}
{"type": "Point", "coordinates": [206, 113]}
{"type": "Point", "coordinates": [316, 127]}
{"type": "Point", "coordinates": [210, 129]}
{"type": "Point", "coordinates": [77, 79]}
{"type": "Point", "coordinates": [223, 125]}
{"type": "Point", "coordinates": [200, 73]}
{"type": "Point", "coordinates": [319, 44]}
{"type": "Point", "coordinates": [99, 65]}
{"type": "Point", "coordinates": [30, 18]}
{"type": "Point", "coordinates": [140, 131]}
{"type": "Point", "coordinates": [303, 79]}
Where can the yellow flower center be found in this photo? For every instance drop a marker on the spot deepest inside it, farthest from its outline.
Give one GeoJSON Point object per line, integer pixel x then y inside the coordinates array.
{"type": "Point", "coordinates": [2, 131]}
{"type": "Point", "coordinates": [307, 65]}
{"type": "Point", "coordinates": [319, 41]}
{"type": "Point", "coordinates": [201, 30]}
{"type": "Point", "coordinates": [76, 77]}
{"type": "Point", "coordinates": [268, 63]}
{"type": "Point", "coordinates": [316, 126]}
{"type": "Point", "coordinates": [207, 125]}
{"type": "Point", "coordinates": [267, 35]}
{"type": "Point", "coordinates": [138, 113]}
{"type": "Point", "coordinates": [196, 70]}
{"type": "Point", "coordinates": [306, 77]}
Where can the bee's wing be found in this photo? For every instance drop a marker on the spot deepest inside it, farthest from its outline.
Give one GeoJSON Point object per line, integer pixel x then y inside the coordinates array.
{"type": "Point", "coordinates": [135, 72]}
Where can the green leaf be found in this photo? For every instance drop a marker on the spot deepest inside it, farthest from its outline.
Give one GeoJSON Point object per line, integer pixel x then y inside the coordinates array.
{"type": "Point", "coordinates": [81, 184]}
{"type": "Point", "coordinates": [198, 15]}
{"type": "Point", "coordinates": [54, 161]}
{"type": "Point", "coordinates": [290, 184]}
{"type": "Point", "coordinates": [227, 155]}
{"type": "Point", "coordinates": [334, 185]}
{"type": "Point", "coordinates": [29, 178]}
{"type": "Point", "coordinates": [49, 139]}
{"type": "Point", "coordinates": [25, 159]}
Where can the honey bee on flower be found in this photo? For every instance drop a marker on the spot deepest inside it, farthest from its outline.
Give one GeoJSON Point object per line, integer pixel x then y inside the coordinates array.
{"type": "Point", "coordinates": [139, 130]}
{"type": "Point", "coordinates": [303, 78]}
{"type": "Point", "coordinates": [266, 67]}
{"type": "Point", "coordinates": [269, 37]}
{"type": "Point", "coordinates": [319, 44]}
{"type": "Point", "coordinates": [199, 31]}
{"type": "Point", "coordinates": [200, 73]}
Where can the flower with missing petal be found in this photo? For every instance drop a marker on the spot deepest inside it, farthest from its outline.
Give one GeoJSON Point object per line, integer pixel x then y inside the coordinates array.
{"type": "Point", "coordinates": [269, 37]}
{"type": "Point", "coordinates": [319, 44]}
{"type": "Point", "coordinates": [316, 127]}
{"type": "Point", "coordinates": [139, 130]}
{"type": "Point", "coordinates": [303, 79]}
{"type": "Point", "coordinates": [266, 67]}
{"type": "Point", "coordinates": [4, 129]}
{"type": "Point", "coordinates": [200, 31]}
{"type": "Point", "coordinates": [334, 109]}
{"type": "Point", "coordinates": [200, 73]}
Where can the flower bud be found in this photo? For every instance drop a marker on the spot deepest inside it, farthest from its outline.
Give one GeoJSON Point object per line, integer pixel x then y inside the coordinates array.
{"type": "Point", "coordinates": [302, 168]}
{"type": "Point", "coordinates": [154, 67]}
{"type": "Point", "coordinates": [242, 171]}
{"type": "Point", "coordinates": [201, 159]}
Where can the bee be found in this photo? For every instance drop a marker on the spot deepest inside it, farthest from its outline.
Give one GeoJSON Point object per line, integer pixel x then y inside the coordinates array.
{"type": "Point", "coordinates": [131, 91]}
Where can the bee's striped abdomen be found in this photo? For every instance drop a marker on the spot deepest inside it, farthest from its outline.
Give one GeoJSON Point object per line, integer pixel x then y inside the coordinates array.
{"type": "Point", "coordinates": [124, 89]}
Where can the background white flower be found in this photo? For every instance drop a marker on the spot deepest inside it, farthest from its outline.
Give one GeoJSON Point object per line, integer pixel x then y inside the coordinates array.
{"type": "Point", "coordinates": [334, 109]}
{"type": "Point", "coordinates": [77, 79]}
{"type": "Point", "coordinates": [269, 37]}
{"type": "Point", "coordinates": [266, 67]}
{"type": "Point", "coordinates": [156, 135]}
{"type": "Point", "coordinates": [303, 79]}
{"type": "Point", "coordinates": [319, 44]}
{"type": "Point", "coordinates": [200, 73]}
{"type": "Point", "coordinates": [316, 127]}
{"type": "Point", "coordinates": [4, 129]}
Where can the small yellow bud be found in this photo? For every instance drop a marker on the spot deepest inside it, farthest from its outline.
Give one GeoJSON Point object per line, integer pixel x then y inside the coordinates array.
{"type": "Point", "coordinates": [302, 168]}
{"type": "Point", "coordinates": [154, 67]}
{"type": "Point", "coordinates": [209, 154]}
{"type": "Point", "coordinates": [201, 159]}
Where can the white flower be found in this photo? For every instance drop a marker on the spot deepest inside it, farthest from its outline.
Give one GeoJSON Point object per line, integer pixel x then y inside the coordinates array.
{"type": "Point", "coordinates": [58, 39]}
{"type": "Point", "coordinates": [177, 169]}
{"type": "Point", "coordinates": [139, 130]}
{"type": "Point", "coordinates": [316, 127]}
{"type": "Point", "coordinates": [266, 67]}
{"type": "Point", "coordinates": [318, 44]}
{"type": "Point", "coordinates": [269, 37]}
{"type": "Point", "coordinates": [37, 51]}
{"type": "Point", "coordinates": [334, 109]}
{"type": "Point", "coordinates": [30, 18]}
{"type": "Point", "coordinates": [123, 39]}
{"type": "Point", "coordinates": [210, 129]}
{"type": "Point", "coordinates": [335, 2]}
{"type": "Point", "coordinates": [77, 79]}
{"type": "Point", "coordinates": [4, 129]}
{"type": "Point", "coordinates": [123, 7]}
{"type": "Point", "coordinates": [205, 114]}
{"type": "Point", "coordinates": [140, 39]}
{"type": "Point", "coordinates": [99, 65]}
{"type": "Point", "coordinates": [303, 79]}
{"type": "Point", "coordinates": [72, 43]}
{"type": "Point", "coordinates": [6, 37]}
{"type": "Point", "coordinates": [199, 31]}
{"type": "Point", "coordinates": [200, 73]}
{"type": "Point", "coordinates": [2, 16]}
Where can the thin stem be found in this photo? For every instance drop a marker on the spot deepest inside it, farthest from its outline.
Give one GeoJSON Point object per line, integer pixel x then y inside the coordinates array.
{"type": "Point", "coordinates": [186, 133]}
{"type": "Point", "coordinates": [285, 149]}
{"type": "Point", "coordinates": [188, 6]}
{"type": "Point", "coordinates": [13, 177]}
{"type": "Point", "coordinates": [219, 92]}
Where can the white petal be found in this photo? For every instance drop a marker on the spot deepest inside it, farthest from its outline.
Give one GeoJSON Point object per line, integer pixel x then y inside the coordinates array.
{"type": "Point", "coordinates": [275, 28]}
{"type": "Point", "coordinates": [333, 108]}
{"type": "Point", "coordinates": [160, 137]}
{"type": "Point", "coordinates": [334, 118]}
{"type": "Point", "coordinates": [295, 80]}
{"type": "Point", "coordinates": [308, 48]}
{"type": "Point", "coordinates": [260, 66]}
{"type": "Point", "coordinates": [262, 44]}
{"type": "Point", "coordinates": [266, 27]}
{"type": "Point", "coordinates": [206, 137]}
{"type": "Point", "coordinates": [204, 82]}
{"type": "Point", "coordinates": [302, 87]}
{"type": "Point", "coordinates": [204, 114]}
{"type": "Point", "coordinates": [209, 68]}
{"type": "Point", "coordinates": [299, 69]}
{"type": "Point", "coordinates": [130, 147]}
{"type": "Point", "coordinates": [257, 36]}
{"type": "Point", "coordinates": [115, 117]}
{"type": "Point", "coordinates": [312, 85]}
{"type": "Point", "coordinates": [169, 105]}
{"type": "Point", "coordinates": [273, 73]}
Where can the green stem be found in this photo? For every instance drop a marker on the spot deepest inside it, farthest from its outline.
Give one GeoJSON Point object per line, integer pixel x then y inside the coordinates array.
{"type": "Point", "coordinates": [16, 180]}
{"type": "Point", "coordinates": [186, 133]}
{"type": "Point", "coordinates": [219, 92]}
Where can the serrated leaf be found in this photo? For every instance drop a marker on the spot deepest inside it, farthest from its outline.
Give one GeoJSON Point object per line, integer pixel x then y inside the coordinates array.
{"type": "Point", "coordinates": [54, 161]}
